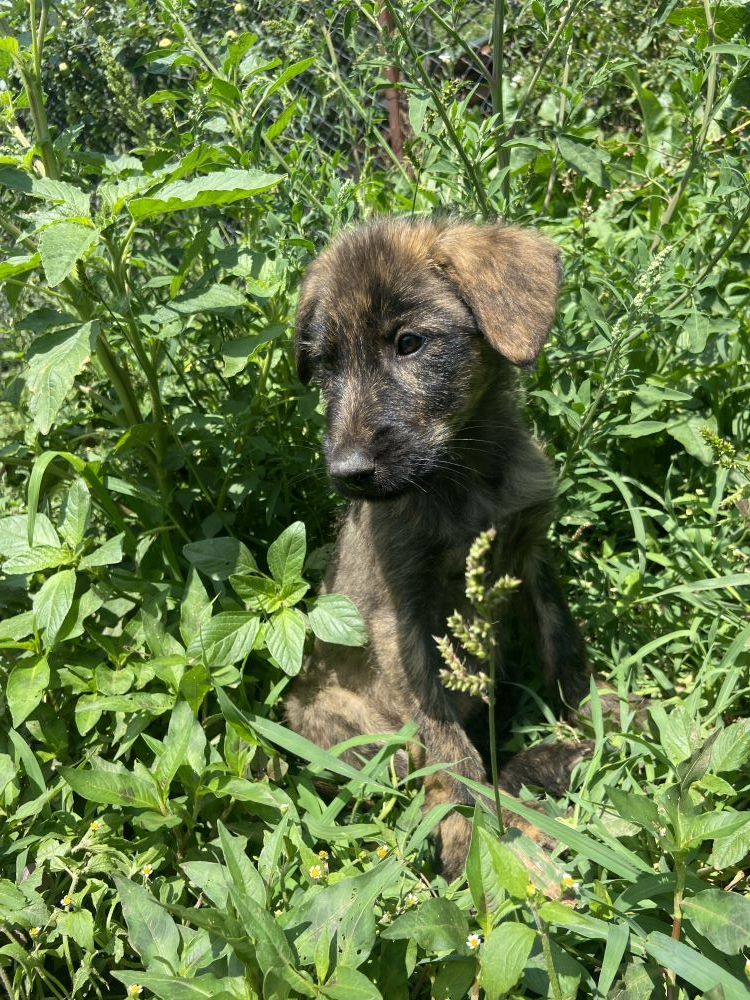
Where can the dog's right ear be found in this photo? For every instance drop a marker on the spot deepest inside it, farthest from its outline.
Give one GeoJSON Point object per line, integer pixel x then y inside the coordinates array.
{"type": "Point", "coordinates": [509, 279]}
{"type": "Point", "coordinates": [303, 333]}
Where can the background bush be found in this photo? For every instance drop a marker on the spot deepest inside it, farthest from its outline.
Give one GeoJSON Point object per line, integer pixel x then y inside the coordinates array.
{"type": "Point", "coordinates": [167, 171]}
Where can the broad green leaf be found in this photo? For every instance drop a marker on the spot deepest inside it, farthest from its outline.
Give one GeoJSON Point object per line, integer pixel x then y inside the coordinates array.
{"type": "Point", "coordinates": [221, 187]}
{"type": "Point", "coordinates": [225, 639]}
{"type": "Point", "coordinates": [635, 808]}
{"type": "Point", "coordinates": [78, 925]}
{"type": "Point", "coordinates": [285, 639]}
{"type": "Point", "coordinates": [258, 591]}
{"type": "Point", "coordinates": [335, 618]}
{"type": "Point", "coordinates": [152, 932]}
{"type": "Point", "coordinates": [286, 556]}
{"type": "Point", "coordinates": [217, 298]}
{"type": "Point", "coordinates": [348, 984]}
{"type": "Point", "coordinates": [438, 925]}
{"type": "Point", "coordinates": [584, 159]}
{"type": "Point", "coordinates": [731, 751]}
{"type": "Point", "coordinates": [17, 626]}
{"type": "Point", "coordinates": [112, 788]}
{"type": "Point", "coordinates": [731, 849]}
{"type": "Point", "coordinates": [35, 559]}
{"type": "Point", "coordinates": [723, 917]}
{"type": "Point", "coordinates": [274, 954]}
{"type": "Point", "coordinates": [76, 511]}
{"type": "Point", "coordinates": [175, 745]}
{"type": "Point", "coordinates": [203, 987]}
{"type": "Point", "coordinates": [219, 558]}
{"type": "Point", "coordinates": [153, 702]}
{"type": "Point", "coordinates": [243, 874]}
{"type": "Point", "coordinates": [692, 966]}
{"type": "Point", "coordinates": [687, 430]}
{"type": "Point", "coordinates": [61, 245]}
{"type": "Point", "coordinates": [12, 266]}
{"type": "Point", "coordinates": [289, 73]}
{"type": "Point", "coordinates": [54, 360]}
{"type": "Point", "coordinates": [52, 603]}
{"type": "Point", "coordinates": [195, 608]}
{"type": "Point", "coordinates": [14, 533]}
{"type": "Point", "coordinates": [211, 878]}
{"type": "Point", "coordinates": [679, 732]}
{"type": "Point", "coordinates": [502, 865]}
{"type": "Point", "coordinates": [503, 957]}
{"type": "Point", "coordinates": [63, 193]}
{"type": "Point", "coordinates": [637, 983]}
{"type": "Point", "coordinates": [106, 554]}
{"type": "Point", "coordinates": [26, 687]}
{"type": "Point", "coordinates": [237, 353]}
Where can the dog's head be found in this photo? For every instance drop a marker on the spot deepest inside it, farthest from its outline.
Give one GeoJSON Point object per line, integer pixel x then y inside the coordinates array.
{"type": "Point", "coordinates": [402, 324]}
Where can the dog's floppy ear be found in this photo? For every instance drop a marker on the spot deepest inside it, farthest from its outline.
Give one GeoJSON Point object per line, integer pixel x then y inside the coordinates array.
{"type": "Point", "coordinates": [509, 278]}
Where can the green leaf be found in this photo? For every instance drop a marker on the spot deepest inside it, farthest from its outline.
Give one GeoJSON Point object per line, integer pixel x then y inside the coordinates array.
{"type": "Point", "coordinates": [52, 603]}
{"type": "Point", "coordinates": [679, 732]}
{"type": "Point", "coordinates": [61, 245]}
{"type": "Point", "coordinates": [289, 73]}
{"type": "Point", "coordinates": [585, 160]}
{"type": "Point", "coordinates": [723, 917]}
{"type": "Point", "coordinates": [258, 591]}
{"type": "Point", "coordinates": [54, 360]}
{"type": "Point", "coordinates": [692, 966]}
{"type": "Point", "coordinates": [107, 554]}
{"type": "Point", "coordinates": [219, 188]}
{"type": "Point", "coordinates": [335, 618]}
{"type": "Point", "coordinates": [243, 874]}
{"type": "Point", "coordinates": [348, 984]}
{"type": "Point", "coordinates": [151, 930]}
{"type": "Point", "coordinates": [438, 925]}
{"type": "Point", "coordinates": [226, 638]}
{"type": "Point", "coordinates": [195, 608]}
{"type": "Point", "coordinates": [286, 556]}
{"type": "Point", "coordinates": [211, 878]}
{"type": "Point", "coordinates": [26, 687]}
{"type": "Point", "coordinates": [503, 958]}
{"type": "Point", "coordinates": [76, 512]}
{"type": "Point", "coordinates": [217, 298]}
{"type": "Point", "coordinates": [12, 266]}
{"type": "Point", "coordinates": [285, 639]}
{"type": "Point", "coordinates": [113, 788]}
{"type": "Point", "coordinates": [731, 751]}
{"type": "Point", "coordinates": [687, 430]}
{"type": "Point", "coordinates": [205, 987]}
{"type": "Point", "coordinates": [219, 558]}
{"type": "Point", "coordinates": [501, 865]}
{"type": "Point", "coordinates": [635, 808]}
{"type": "Point", "coordinates": [36, 559]}
{"type": "Point", "coordinates": [175, 746]}
{"type": "Point", "coordinates": [78, 925]}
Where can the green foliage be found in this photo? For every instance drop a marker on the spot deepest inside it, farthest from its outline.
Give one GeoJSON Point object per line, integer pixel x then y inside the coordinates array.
{"type": "Point", "coordinates": [167, 170]}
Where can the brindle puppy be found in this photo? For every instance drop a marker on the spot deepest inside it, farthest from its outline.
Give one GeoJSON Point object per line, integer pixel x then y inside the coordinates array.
{"type": "Point", "coordinates": [411, 329]}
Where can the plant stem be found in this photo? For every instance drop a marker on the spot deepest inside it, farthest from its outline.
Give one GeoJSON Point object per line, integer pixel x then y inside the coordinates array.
{"type": "Point", "coordinates": [680, 875]}
{"type": "Point", "coordinates": [493, 735]}
{"type": "Point", "coordinates": [496, 91]}
{"type": "Point", "coordinates": [471, 172]}
{"type": "Point", "coordinates": [554, 982]}
{"type": "Point", "coordinates": [708, 114]}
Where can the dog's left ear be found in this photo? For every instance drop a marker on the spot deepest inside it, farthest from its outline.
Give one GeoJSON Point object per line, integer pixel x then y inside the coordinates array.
{"type": "Point", "coordinates": [509, 278]}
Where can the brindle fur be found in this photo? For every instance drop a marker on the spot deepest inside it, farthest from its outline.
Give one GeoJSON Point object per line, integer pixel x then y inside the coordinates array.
{"type": "Point", "coordinates": [446, 455]}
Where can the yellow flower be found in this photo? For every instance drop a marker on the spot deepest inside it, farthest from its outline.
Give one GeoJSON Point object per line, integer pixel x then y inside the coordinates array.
{"type": "Point", "coordinates": [239, 8]}
{"type": "Point", "coordinates": [165, 43]}
{"type": "Point", "coordinates": [315, 871]}
{"type": "Point", "coordinates": [147, 870]}
{"type": "Point", "coordinates": [277, 913]}
{"type": "Point", "coordinates": [568, 883]}
{"type": "Point", "coordinates": [63, 67]}
{"type": "Point", "coordinates": [135, 989]}
{"type": "Point", "coordinates": [95, 825]}
{"type": "Point", "coordinates": [747, 968]}
{"type": "Point", "coordinates": [323, 855]}
{"type": "Point", "coordinates": [66, 901]}
{"type": "Point", "coordinates": [231, 34]}
{"type": "Point", "coordinates": [473, 941]}
{"type": "Point", "coordinates": [35, 931]}
{"type": "Point", "coordinates": [382, 852]}
{"type": "Point", "coordinates": [530, 890]}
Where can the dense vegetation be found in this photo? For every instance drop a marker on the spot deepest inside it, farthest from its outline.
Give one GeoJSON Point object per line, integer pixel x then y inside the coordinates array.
{"type": "Point", "coordinates": [167, 170]}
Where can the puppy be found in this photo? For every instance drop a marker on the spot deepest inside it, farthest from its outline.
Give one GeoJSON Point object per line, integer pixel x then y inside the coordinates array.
{"type": "Point", "coordinates": [412, 329]}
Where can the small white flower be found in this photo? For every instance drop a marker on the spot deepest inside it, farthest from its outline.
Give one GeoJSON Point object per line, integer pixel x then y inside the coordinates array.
{"type": "Point", "coordinates": [473, 941]}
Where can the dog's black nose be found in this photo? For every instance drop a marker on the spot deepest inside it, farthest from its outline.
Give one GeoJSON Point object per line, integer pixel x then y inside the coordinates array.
{"type": "Point", "coordinates": [351, 467]}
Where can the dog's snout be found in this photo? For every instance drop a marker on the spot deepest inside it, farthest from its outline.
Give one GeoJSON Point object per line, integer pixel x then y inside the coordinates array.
{"type": "Point", "coordinates": [351, 466]}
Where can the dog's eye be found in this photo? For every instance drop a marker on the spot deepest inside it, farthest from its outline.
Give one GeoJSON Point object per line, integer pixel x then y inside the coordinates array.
{"type": "Point", "coordinates": [408, 343]}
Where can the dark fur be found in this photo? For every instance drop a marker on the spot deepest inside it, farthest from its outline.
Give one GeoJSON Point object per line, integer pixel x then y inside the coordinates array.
{"type": "Point", "coordinates": [440, 453]}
